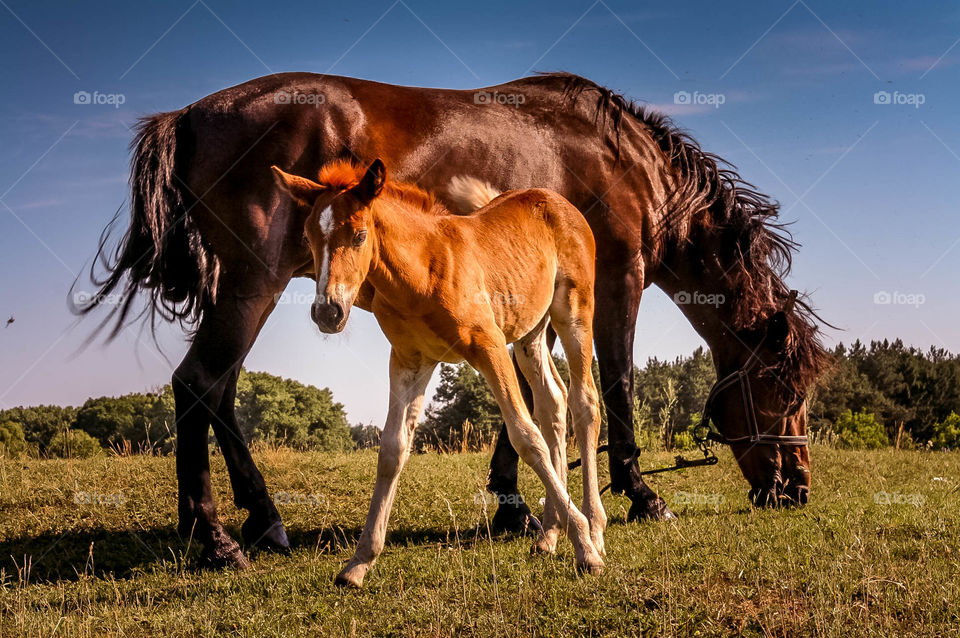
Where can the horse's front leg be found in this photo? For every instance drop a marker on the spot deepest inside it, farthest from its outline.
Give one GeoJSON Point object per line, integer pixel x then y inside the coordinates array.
{"type": "Point", "coordinates": [408, 382]}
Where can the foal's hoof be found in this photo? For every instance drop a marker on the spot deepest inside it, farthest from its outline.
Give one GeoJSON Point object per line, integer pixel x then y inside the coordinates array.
{"type": "Point", "coordinates": [515, 519]}
{"type": "Point", "coordinates": [225, 555]}
{"type": "Point", "coordinates": [265, 537]}
{"type": "Point", "coordinates": [351, 576]}
{"type": "Point", "coordinates": [543, 546]}
{"type": "Point", "coordinates": [592, 566]}
{"type": "Point", "coordinates": [649, 509]}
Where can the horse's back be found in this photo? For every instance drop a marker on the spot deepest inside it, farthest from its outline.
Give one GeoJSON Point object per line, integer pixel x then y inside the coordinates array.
{"type": "Point", "coordinates": [540, 209]}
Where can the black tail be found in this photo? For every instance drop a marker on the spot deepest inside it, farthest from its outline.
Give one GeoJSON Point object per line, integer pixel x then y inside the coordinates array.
{"type": "Point", "coordinates": [162, 251]}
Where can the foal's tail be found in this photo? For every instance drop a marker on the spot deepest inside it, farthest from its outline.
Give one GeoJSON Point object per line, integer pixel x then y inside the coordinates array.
{"type": "Point", "coordinates": [469, 193]}
{"type": "Point", "coordinates": [162, 252]}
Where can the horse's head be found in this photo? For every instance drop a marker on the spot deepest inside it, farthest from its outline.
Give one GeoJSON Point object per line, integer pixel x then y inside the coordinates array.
{"type": "Point", "coordinates": [339, 230]}
{"type": "Point", "coordinates": [759, 407]}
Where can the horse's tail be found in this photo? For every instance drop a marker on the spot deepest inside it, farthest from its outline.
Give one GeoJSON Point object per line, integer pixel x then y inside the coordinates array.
{"type": "Point", "coordinates": [470, 193]}
{"type": "Point", "coordinates": [162, 251]}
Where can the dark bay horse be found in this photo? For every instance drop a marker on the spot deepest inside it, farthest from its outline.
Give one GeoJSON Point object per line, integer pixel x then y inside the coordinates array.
{"type": "Point", "coordinates": [213, 240]}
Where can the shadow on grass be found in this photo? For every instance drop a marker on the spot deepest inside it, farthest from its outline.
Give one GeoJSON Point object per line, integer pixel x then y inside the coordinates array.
{"type": "Point", "coordinates": [72, 555]}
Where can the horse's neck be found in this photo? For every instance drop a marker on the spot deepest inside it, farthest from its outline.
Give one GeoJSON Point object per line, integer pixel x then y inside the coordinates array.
{"type": "Point", "coordinates": [707, 303]}
{"type": "Point", "coordinates": [400, 237]}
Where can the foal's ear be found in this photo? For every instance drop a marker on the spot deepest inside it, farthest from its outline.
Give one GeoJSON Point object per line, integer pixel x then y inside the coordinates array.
{"type": "Point", "coordinates": [303, 191]}
{"type": "Point", "coordinates": [372, 181]}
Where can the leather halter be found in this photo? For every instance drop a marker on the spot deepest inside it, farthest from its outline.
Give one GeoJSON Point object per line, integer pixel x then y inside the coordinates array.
{"type": "Point", "coordinates": [703, 434]}
{"type": "Point", "coordinates": [741, 378]}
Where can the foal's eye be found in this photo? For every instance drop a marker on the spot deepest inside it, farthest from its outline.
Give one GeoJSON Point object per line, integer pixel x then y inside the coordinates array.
{"type": "Point", "coordinates": [359, 238]}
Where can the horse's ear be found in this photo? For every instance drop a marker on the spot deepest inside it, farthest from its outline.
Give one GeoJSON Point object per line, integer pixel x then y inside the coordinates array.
{"type": "Point", "coordinates": [372, 181]}
{"type": "Point", "coordinates": [303, 191]}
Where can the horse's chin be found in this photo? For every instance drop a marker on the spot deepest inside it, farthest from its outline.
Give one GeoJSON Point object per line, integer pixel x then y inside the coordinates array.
{"type": "Point", "coordinates": [332, 329]}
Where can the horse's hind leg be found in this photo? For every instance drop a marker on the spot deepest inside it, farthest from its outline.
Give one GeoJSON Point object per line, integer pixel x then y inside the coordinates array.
{"type": "Point", "coordinates": [204, 385]}
{"type": "Point", "coordinates": [263, 528]}
{"type": "Point", "coordinates": [488, 354]}
{"type": "Point", "coordinates": [513, 515]}
{"type": "Point", "coordinates": [572, 317]}
{"type": "Point", "coordinates": [550, 411]}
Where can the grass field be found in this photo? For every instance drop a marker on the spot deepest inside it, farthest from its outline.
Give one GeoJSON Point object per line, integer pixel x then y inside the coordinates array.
{"type": "Point", "coordinates": [88, 548]}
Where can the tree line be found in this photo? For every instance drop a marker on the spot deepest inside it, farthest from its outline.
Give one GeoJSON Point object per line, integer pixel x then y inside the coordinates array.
{"type": "Point", "coordinates": [872, 396]}
{"type": "Point", "coordinates": [269, 409]}
{"type": "Point", "coordinates": [876, 395]}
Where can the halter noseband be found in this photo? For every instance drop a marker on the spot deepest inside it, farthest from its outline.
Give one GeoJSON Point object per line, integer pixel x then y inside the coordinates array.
{"type": "Point", "coordinates": [741, 377]}
{"type": "Point", "coordinates": [703, 434]}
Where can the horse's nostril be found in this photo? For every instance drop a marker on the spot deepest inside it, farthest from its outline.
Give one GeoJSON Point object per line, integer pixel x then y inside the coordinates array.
{"type": "Point", "coordinates": [336, 313]}
{"type": "Point", "coordinates": [803, 494]}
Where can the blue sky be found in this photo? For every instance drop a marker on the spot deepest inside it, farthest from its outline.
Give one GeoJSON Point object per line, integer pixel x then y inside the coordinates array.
{"type": "Point", "coordinates": [844, 112]}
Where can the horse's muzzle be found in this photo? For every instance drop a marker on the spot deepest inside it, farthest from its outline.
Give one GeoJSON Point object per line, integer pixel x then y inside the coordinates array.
{"type": "Point", "coordinates": [330, 316]}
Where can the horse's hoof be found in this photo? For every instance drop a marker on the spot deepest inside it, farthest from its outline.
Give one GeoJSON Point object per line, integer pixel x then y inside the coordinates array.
{"type": "Point", "coordinates": [647, 509]}
{"type": "Point", "coordinates": [351, 577]}
{"type": "Point", "coordinates": [515, 519]}
{"type": "Point", "coordinates": [270, 537]}
{"type": "Point", "coordinates": [225, 555]}
{"type": "Point", "coordinates": [598, 544]}
{"type": "Point", "coordinates": [593, 566]}
{"type": "Point", "coordinates": [542, 546]}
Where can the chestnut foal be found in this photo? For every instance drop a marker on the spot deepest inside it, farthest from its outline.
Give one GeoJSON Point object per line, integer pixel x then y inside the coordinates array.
{"type": "Point", "coordinates": [451, 288]}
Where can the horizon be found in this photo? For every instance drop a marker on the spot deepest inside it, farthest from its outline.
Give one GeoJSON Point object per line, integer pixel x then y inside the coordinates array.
{"type": "Point", "coordinates": [846, 115]}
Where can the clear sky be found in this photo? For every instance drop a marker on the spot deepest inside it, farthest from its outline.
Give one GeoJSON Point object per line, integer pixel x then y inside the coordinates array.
{"type": "Point", "coordinates": [844, 112]}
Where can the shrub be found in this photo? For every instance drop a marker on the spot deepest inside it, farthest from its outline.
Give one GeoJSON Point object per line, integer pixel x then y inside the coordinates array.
{"type": "Point", "coordinates": [860, 431]}
{"type": "Point", "coordinates": [683, 441]}
{"type": "Point", "coordinates": [12, 441]}
{"type": "Point", "coordinates": [946, 434]}
{"type": "Point", "coordinates": [75, 444]}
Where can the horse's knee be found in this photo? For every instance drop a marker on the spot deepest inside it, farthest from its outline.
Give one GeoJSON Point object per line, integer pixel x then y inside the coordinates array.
{"type": "Point", "coordinates": [393, 452]}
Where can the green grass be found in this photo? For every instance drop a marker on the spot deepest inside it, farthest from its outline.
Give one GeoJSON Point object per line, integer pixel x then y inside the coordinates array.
{"type": "Point", "coordinates": [844, 565]}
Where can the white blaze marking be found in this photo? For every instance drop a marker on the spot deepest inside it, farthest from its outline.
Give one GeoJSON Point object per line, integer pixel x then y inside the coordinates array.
{"type": "Point", "coordinates": [323, 277]}
{"type": "Point", "coordinates": [326, 220]}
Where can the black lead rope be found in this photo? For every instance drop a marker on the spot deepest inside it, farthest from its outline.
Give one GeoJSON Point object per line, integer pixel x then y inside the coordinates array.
{"type": "Point", "coordinates": [704, 435]}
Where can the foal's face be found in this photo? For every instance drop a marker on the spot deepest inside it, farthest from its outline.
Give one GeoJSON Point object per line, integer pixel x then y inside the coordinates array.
{"type": "Point", "coordinates": [340, 234]}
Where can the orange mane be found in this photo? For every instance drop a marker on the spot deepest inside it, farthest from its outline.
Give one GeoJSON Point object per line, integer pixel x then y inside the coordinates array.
{"type": "Point", "coordinates": [343, 173]}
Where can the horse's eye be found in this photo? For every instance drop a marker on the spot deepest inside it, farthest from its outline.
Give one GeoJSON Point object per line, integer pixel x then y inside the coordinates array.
{"type": "Point", "coordinates": [359, 238]}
